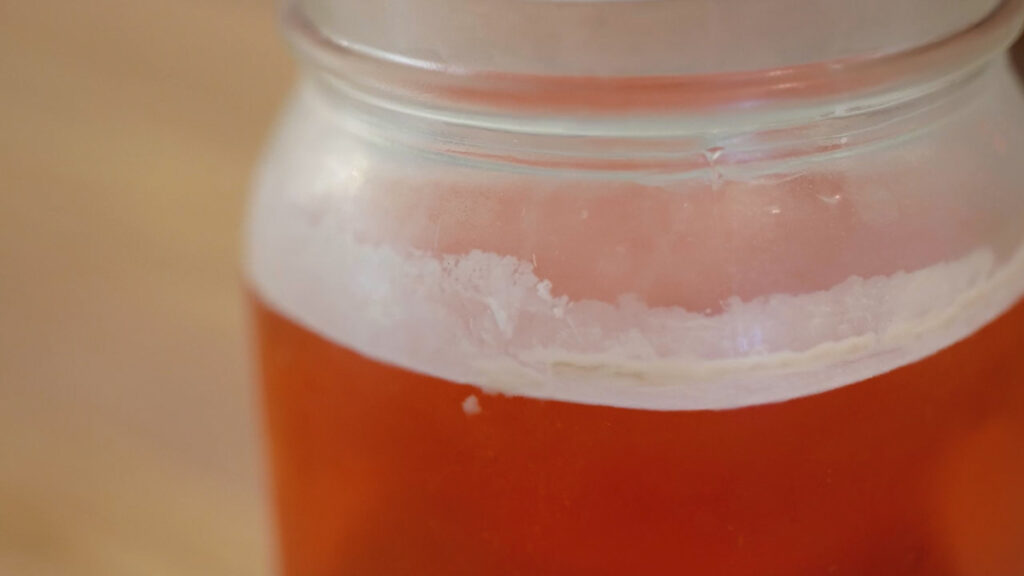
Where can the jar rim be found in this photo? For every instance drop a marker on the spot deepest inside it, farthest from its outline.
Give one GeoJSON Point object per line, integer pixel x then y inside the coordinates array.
{"type": "Point", "coordinates": [394, 76]}
{"type": "Point", "coordinates": [629, 38]}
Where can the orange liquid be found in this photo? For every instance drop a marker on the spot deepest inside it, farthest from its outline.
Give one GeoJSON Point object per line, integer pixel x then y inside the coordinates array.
{"type": "Point", "coordinates": [381, 472]}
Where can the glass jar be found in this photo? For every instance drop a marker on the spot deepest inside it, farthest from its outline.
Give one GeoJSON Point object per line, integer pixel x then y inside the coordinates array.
{"type": "Point", "coordinates": [645, 287]}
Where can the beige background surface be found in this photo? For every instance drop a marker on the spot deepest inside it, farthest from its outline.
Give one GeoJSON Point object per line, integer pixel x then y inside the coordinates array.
{"type": "Point", "coordinates": [127, 434]}
{"type": "Point", "coordinates": [128, 443]}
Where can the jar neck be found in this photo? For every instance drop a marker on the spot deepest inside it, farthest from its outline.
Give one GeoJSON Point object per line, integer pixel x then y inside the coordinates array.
{"type": "Point", "coordinates": [660, 148]}
{"type": "Point", "coordinates": [423, 65]}
{"type": "Point", "coordinates": [660, 124]}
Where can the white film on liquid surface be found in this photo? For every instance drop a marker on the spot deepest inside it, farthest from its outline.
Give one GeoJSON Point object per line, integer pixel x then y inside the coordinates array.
{"type": "Point", "coordinates": [490, 321]}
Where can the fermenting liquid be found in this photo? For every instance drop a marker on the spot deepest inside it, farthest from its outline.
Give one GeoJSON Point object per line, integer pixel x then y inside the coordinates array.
{"type": "Point", "coordinates": [379, 470]}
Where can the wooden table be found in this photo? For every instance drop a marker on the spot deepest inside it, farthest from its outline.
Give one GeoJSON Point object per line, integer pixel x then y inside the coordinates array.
{"type": "Point", "coordinates": [128, 442]}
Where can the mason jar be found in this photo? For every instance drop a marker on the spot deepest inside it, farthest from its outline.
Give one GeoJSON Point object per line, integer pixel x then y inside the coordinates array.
{"type": "Point", "coordinates": [645, 287]}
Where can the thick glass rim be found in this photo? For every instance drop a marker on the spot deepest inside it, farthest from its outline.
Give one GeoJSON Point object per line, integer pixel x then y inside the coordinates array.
{"type": "Point", "coordinates": [383, 75]}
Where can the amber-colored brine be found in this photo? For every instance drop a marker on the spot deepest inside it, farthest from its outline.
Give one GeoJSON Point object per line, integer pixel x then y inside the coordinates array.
{"type": "Point", "coordinates": [379, 471]}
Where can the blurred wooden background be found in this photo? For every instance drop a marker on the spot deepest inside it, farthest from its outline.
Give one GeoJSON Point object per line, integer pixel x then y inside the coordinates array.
{"type": "Point", "coordinates": [128, 128]}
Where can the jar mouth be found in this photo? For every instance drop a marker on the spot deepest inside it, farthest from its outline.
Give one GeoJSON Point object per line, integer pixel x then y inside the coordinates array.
{"type": "Point", "coordinates": [397, 76]}
{"type": "Point", "coordinates": [634, 38]}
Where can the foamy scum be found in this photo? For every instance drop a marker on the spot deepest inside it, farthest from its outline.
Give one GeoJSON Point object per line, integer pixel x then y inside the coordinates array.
{"type": "Point", "coordinates": [488, 320]}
